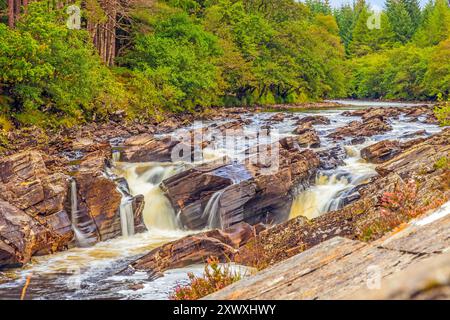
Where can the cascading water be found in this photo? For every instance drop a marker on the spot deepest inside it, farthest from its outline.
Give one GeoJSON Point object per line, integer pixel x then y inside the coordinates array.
{"type": "Point", "coordinates": [127, 217]}
{"type": "Point", "coordinates": [145, 178]}
{"type": "Point", "coordinates": [331, 189]}
{"type": "Point", "coordinates": [212, 211]}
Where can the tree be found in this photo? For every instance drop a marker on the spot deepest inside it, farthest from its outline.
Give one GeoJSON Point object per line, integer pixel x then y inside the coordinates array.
{"type": "Point", "coordinates": [367, 36]}
{"type": "Point", "coordinates": [400, 19]}
{"type": "Point", "coordinates": [435, 26]}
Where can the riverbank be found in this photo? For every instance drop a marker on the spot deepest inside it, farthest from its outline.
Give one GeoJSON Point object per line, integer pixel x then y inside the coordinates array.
{"type": "Point", "coordinates": [116, 186]}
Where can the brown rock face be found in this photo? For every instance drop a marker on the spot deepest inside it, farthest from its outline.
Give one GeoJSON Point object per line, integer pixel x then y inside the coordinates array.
{"type": "Point", "coordinates": [307, 136]}
{"type": "Point", "coordinates": [99, 201]}
{"type": "Point", "coordinates": [196, 249]}
{"type": "Point", "coordinates": [313, 120]}
{"type": "Point", "coordinates": [145, 148]}
{"type": "Point", "coordinates": [366, 128]}
{"type": "Point", "coordinates": [222, 195]}
{"type": "Point", "coordinates": [32, 208]}
{"type": "Point", "coordinates": [381, 151]}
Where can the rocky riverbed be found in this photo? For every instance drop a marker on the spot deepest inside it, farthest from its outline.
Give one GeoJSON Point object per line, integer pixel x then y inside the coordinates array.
{"type": "Point", "coordinates": [136, 206]}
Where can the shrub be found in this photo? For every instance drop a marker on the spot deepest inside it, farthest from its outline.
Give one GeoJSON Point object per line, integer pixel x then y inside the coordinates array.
{"type": "Point", "coordinates": [442, 163]}
{"type": "Point", "coordinates": [216, 277]}
{"type": "Point", "coordinates": [396, 208]}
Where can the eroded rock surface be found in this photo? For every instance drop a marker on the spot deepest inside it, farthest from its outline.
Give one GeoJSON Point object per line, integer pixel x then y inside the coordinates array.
{"type": "Point", "coordinates": [32, 208]}
{"type": "Point", "coordinates": [193, 249]}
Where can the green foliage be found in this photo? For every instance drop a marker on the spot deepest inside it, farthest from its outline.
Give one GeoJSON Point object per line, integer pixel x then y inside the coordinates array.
{"type": "Point", "coordinates": [435, 26]}
{"type": "Point", "coordinates": [372, 33]}
{"type": "Point", "coordinates": [401, 20]}
{"type": "Point", "coordinates": [442, 163]}
{"type": "Point", "coordinates": [442, 112]}
{"type": "Point", "coordinates": [177, 58]}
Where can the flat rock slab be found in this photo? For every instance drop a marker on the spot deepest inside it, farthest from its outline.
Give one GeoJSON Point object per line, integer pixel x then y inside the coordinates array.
{"type": "Point", "coordinates": [428, 279]}
{"type": "Point", "coordinates": [339, 267]}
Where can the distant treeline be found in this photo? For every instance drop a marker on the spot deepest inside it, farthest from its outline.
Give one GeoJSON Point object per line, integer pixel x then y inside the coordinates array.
{"type": "Point", "coordinates": [177, 55]}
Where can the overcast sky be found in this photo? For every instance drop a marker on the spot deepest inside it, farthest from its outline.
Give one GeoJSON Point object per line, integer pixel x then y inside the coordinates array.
{"type": "Point", "coordinates": [374, 3]}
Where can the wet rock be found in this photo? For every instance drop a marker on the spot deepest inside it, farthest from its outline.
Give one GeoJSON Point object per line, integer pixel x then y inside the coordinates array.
{"type": "Point", "coordinates": [99, 201]}
{"type": "Point", "coordinates": [195, 249]}
{"type": "Point", "coordinates": [366, 128]}
{"type": "Point", "coordinates": [279, 117]}
{"type": "Point", "coordinates": [414, 134]}
{"type": "Point", "coordinates": [22, 236]}
{"type": "Point", "coordinates": [381, 151]}
{"type": "Point", "coordinates": [254, 191]}
{"type": "Point", "coordinates": [358, 140]}
{"type": "Point", "coordinates": [27, 184]}
{"type": "Point", "coordinates": [314, 120]}
{"type": "Point", "coordinates": [332, 157]}
{"type": "Point", "coordinates": [307, 136]}
{"type": "Point", "coordinates": [145, 148]}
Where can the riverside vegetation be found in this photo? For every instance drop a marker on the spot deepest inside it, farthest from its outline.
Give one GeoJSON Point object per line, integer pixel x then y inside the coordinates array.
{"type": "Point", "coordinates": [175, 56]}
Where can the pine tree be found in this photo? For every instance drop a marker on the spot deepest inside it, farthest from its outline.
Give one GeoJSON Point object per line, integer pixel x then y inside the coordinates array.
{"type": "Point", "coordinates": [400, 19]}
{"type": "Point", "coordinates": [367, 40]}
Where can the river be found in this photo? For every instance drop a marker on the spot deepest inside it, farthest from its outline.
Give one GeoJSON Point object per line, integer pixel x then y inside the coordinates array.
{"type": "Point", "coordinates": [90, 272]}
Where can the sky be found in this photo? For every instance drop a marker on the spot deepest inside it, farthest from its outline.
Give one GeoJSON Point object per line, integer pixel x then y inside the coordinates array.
{"type": "Point", "coordinates": [376, 4]}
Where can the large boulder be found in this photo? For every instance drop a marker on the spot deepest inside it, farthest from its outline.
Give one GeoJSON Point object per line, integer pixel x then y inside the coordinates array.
{"type": "Point", "coordinates": [381, 151]}
{"type": "Point", "coordinates": [221, 195]}
{"type": "Point", "coordinates": [146, 148]}
{"type": "Point", "coordinates": [314, 120]}
{"type": "Point", "coordinates": [307, 136]}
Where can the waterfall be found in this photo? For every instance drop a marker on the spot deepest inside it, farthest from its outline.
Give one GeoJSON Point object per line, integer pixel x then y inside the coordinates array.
{"type": "Point", "coordinates": [145, 179]}
{"type": "Point", "coordinates": [320, 198]}
{"type": "Point", "coordinates": [212, 211]}
{"type": "Point", "coordinates": [127, 216]}
{"type": "Point", "coordinates": [331, 190]}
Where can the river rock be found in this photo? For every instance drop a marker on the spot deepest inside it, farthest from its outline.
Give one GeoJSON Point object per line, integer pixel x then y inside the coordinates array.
{"type": "Point", "coordinates": [145, 148]}
{"type": "Point", "coordinates": [381, 151]}
{"type": "Point", "coordinates": [332, 158]}
{"type": "Point", "coordinates": [314, 120]}
{"type": "Point", "coordinates": [22, 236]}
{"type": "Point", "coordinates": [32, 208]}
{"type": "Point", "coordinates": [196, 249]}
{"type": "Point", "coordinates": [307, 136]}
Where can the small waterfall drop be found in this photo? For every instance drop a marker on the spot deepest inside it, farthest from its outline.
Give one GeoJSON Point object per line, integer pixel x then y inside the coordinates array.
{"type": "Point", "coordinates": [212, 211]}
{"type": "Point", "coordinates": [145, 179]}
{"type": "Point", "coordinates": [331, 190]}
{"type": "Point", "coordinates": [127, 216]}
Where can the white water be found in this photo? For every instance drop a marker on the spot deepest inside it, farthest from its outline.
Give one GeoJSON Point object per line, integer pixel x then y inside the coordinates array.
{"type": "Point", "coordinates": [145, 178]}
{"type": "Point", "coordinates": [126, 217]}
{"type": "Point", "coordinates": [436, 215]}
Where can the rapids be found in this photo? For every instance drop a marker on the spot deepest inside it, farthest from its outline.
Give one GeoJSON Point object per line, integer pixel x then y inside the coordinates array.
{"type": "Point", "coordinates": [89, 271]}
